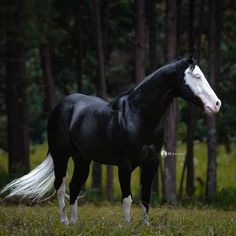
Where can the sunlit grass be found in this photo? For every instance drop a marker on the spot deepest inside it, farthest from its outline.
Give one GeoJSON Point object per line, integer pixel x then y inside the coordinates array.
{"type": "Point", "coordinates": [43, 219]}
{"type": "Point", "coordinates": [103, 218]}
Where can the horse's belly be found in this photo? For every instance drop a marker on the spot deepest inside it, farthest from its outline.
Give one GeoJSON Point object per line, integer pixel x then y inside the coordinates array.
{"type": "Point", "coordinates": [95, 147]}
{"type": "Point", "coordinates": [100, 155]}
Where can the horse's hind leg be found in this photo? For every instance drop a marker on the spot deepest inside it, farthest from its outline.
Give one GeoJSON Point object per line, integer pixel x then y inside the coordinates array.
{"type": "Point", "coordinates": [60, 166]}
{"type": "Point", "coordinates": [61, 149]}
{"type": "Point", "coordinates": [80, 175]}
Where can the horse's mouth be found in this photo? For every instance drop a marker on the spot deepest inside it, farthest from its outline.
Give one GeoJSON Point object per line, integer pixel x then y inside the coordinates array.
{"type": "Point", "coordinates": [209, 110]}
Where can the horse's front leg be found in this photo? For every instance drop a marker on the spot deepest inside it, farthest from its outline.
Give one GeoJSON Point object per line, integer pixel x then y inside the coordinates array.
{"type": "Point", "coordinates": [124, 172]}
{"type": "Point", "coordinates": [148, 170]}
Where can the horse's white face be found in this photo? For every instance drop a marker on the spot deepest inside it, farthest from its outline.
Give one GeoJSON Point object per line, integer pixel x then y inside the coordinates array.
{"type": "Point", "coordinates": [197, 82]}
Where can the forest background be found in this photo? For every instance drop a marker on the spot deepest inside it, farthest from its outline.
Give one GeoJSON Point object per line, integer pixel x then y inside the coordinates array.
{"type": "Point", "coordinates": [50, 49]}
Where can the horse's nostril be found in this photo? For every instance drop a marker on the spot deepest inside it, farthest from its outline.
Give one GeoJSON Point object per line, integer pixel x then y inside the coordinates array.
{"type": "Point", "coordinates": [217, 103]}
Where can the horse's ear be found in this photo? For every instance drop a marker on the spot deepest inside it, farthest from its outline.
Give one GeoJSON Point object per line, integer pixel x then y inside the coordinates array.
{"type": "Point", "coordinates": [195, 54]}
{"type": "Point", "coordinates": [191, 56]}
{"type": "Point", "coordinates": [191, 61]}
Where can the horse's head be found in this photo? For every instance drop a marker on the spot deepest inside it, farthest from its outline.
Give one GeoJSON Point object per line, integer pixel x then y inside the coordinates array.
{"type": "Point", "coordinates": [195, 88]}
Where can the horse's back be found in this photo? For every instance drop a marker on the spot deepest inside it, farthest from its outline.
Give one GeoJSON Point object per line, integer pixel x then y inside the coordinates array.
{"type": "Point", "coordinates": [77, 102]}
{"type": "Point", "coordinates": [78, 97]}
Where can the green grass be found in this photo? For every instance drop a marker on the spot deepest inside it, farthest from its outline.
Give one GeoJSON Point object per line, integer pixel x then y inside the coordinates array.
{"type": "Point", "coordinates": [196, 218]}
{"type": "Point", "coordinates": [107, 219]}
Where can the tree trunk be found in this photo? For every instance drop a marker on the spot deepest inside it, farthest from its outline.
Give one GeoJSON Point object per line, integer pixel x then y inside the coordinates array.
{"type": "Point", "coordinates": [200, 26]}
{"type": "Point", "coordinates": [169, 191]}
{"type": "Point", "coordinates": [101, 59]}
{"type": "Point", "coordinates": [47, 76]}
{"type": "Point", "coordinates": [214, 71]}
{"type": "Point", "coordinates": [191, 112]}
{"type": "Point", "coordinates": [190, 151]}
{"type": "Point", "coordinates": [18, 135]}
{"type": "Point", "coordinates": [109, 187]}
{"type": "Point", "coordinates": [194, 39]}
{"type": "Point", "coordinates": [140, 40]}
{"type": "Point", "coordinates": [182, 178]}
{"type": "Point", "coordinates": [97, 178]}
{"type": "Point", "coordinates": [102, 91]}
{"type": "Point", "coordinates": [106, 51]}
{"type": "Point", "coordinates": [78, 44]}
{"type": "Point", "coordinates": [151, 20]}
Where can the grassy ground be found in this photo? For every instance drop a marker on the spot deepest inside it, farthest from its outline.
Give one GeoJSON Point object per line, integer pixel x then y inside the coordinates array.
{"type": "Point", "coordinates": [103, 219]}
{"type": "Point", "coordinates": [108, 220]}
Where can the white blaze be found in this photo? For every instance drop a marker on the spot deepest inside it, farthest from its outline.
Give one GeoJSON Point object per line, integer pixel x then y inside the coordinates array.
{"type": "Point", "coordinates": [197, 82]}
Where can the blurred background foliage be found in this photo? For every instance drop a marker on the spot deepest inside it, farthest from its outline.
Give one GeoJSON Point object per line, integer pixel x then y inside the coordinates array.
{"type": "Point", "coordinates": [55, 24]}
{"type": "Point", "coordinates": [55, 21]}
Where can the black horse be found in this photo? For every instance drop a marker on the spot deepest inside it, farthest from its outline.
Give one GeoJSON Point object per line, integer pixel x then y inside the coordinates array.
{"type": "Point", "coordinates": [126, 132]}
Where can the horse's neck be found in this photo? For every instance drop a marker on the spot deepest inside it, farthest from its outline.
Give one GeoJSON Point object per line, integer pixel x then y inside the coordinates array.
{"type": "Point", "coordinates": [151, 99]}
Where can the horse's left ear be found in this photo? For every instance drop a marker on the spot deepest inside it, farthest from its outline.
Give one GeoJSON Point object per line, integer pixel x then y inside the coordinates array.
{"type": "Point", "coordinates": [195, 55]}
{"type": "Point", "coordinates": [193, 59]}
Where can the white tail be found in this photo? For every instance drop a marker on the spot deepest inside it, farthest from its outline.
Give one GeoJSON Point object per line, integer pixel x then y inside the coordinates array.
{"type": "Point", "coordinates": [34, 185]}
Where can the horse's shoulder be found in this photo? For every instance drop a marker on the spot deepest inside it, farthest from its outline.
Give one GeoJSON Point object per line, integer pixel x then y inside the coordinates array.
{"type": "Point", "coordinates": [117, 102]}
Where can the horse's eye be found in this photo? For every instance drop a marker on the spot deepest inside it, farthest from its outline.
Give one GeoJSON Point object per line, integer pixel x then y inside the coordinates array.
{"type": "Point", "coordinates": [198, 76]}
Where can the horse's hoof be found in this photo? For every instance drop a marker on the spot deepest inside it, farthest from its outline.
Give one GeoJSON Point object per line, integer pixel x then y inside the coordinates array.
{"type": "Point", "coordinates": [65, 221]}
{"type": "Point", "coordinates": [145, 223]}
{"type": "Point", "coordinates": [145, 220]}
{"type": "Point", "coordinates": [128, 223]}
{"type": "Point", "coordinates": [73, 221]}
